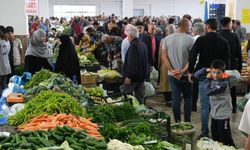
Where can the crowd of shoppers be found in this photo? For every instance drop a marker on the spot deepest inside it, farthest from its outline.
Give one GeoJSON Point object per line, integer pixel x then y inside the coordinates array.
{"type": "Point", "coordinates": [178, 47]}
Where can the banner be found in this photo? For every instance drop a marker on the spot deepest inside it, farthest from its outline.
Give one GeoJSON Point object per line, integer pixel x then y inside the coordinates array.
{"type": "Point", "coordinates": [31, 7]}
{"type": "Point", "coordinates": [245, 16]}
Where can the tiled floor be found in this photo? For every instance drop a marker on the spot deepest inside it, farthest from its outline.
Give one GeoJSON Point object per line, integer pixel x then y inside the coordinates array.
{"type": "Point", "coordinates": [158, 103]}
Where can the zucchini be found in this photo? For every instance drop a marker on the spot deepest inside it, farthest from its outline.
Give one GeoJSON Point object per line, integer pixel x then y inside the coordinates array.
{"type": "Point", "coordinates": [6, 145]}
{"type": "Point", "coordinates": [101, 145]}
{"type": "Point", "coordinates": [60, 129]}
{"type": "Point", "coordinates": [76, 147]}
{"type": "Point", "coordinates": [91, 148]}
{"type": "Point", "coordinates": [57, 137]}
{"type": "Point", "coordinates": [26, 133]}
{"type": "Point", "coordinates": [26, 145]}
{"type": "Point", "coordinates": [68, 129]}
{"type": "Point", "coordinates": [23, 138]}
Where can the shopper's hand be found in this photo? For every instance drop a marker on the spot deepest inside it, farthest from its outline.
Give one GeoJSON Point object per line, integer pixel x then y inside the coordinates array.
{"type": "Point", "coordinates": [209, 75]}
{"type": "Point", "coordinates": [190, 76]}
{"type": "Point", "coordinates": [208, 70]}
{"type": "Point", "coordinates": [127, 81]}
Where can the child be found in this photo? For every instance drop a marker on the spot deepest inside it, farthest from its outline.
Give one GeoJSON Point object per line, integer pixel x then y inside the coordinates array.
{"type": "Point", "coordinates": [217, 85]}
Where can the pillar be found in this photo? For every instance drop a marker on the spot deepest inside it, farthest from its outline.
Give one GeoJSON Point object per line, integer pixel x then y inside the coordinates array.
{"type": "Point", "coordinates": [127, 8]}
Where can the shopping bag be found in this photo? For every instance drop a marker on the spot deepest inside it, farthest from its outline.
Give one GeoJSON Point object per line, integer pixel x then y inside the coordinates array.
{"type": "Point", "coordinates": [154, 77]}
{"type": "Point", "coordinates": [149, 89]}
{"type": "Point", "coordinates": [241, 103]}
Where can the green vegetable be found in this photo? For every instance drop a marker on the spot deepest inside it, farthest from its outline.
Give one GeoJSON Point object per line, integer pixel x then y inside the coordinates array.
{"type": "Point", "coordinates": [48, 102]}
{"type": "Point", "coordinates": [38, 77]}
{"type": "Point", "coordinates": [182, 126]}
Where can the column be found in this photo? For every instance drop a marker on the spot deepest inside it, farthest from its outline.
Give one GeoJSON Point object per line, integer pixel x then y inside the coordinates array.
{"type": "Point", "coordinates": [13, 14]}
{"type": "Point", "coordinates": [127, 8]}
{"type": "Point", "coordinates": [43, 10]}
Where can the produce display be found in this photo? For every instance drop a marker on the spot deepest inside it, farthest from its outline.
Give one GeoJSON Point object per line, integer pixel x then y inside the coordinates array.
{"type": "Point", "coordinates": [48, 102]}
{"type": "Point", "coordinates": [45, 122]}
{"type": "Point", "coordinates": [58, 82]}
{"type": "Point", "coordinates": [118, 145]}
{"type": "Point", "coordinates": [39, 139]}
{"type": "Point", "coordinates": [89, 62]}
{"type": "Point", "coordinates": [108, 73]}
{"type": "Point", "coordinates": [182, 126]}
{"type": "Point", "coordinates": [38, 77]}
{"type": "Point", "coordinates": [95, 91]}
{"type": "Point", "coordinates": [244, 71]}
{"type": "Point", "coordinates": [208, 144]}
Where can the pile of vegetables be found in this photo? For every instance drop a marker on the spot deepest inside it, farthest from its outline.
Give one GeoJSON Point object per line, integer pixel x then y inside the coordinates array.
{"type": "Point", "coordinates": [45, 122]}
{"type": "Point", "coordinates": [39, 139]}
{"type": "Point", "coordinates": [182, 126]}
{"type": "Point", "coordinates": [38, 77]}
{"type": "Point", "coordinates": [58, 82]}
{"type": "Point", "coordinates": [118, 145]}
{"type": "Point", "coordinates": [108, 73]}
{"type": "Point", "coordinates": [48, 102]}
{"type": "Point", "coordinates": [209, 144]}
{"type": "Point", "coordinates": [95, 91]}
{"type": "Point", "coordinates": [112, 113]}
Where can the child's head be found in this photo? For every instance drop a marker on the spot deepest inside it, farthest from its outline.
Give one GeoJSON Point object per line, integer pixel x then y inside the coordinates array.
{"type": "Point", "coordinates": [217, 69]}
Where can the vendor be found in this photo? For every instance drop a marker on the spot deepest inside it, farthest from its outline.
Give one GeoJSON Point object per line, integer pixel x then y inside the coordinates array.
{"type": "Point", "coordinates": [86, 46]}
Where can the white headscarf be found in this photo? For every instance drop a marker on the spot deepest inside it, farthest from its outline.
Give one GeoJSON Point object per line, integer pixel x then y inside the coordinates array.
{"type": "Point", "coordinates": [36, 47]}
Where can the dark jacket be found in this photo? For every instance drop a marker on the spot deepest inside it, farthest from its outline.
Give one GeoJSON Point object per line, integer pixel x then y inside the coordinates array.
{"type": "Point", "coordinates": [67, 61]}
{"type": "Point", "coordinates": [208, 47]}
{"type": "Point", "coordinates": [145, 38]}
{"type": "Point", "coordinates": [158, 39]}
{"type": "Point", "coordinates": [136, 64]}
{"type": "Point", "coordinates": [235, 49]}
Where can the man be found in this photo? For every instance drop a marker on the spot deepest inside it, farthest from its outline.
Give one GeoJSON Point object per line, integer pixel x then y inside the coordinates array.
{"type": "Point", "coordinates": [154, 43]}
{"type": "Point", "coordinates": [113, 46]}
{"type": "Point", "coordinates": [135, 66]}
{"type": "Point", "coordinates": [9, 41]}
{"type": "Point", "coordinates": [235, 52]}
{"type": "Point", "coordinates": [35, 25]}
{"type": "Point", "coordinates": [125, 43]}
{"type": "Point", "coordinates": [208, 47]}
{"type": "Point", "coordinates": [145, 38]}
{"type": "Point", "coordinates": [45, 26]}
{"type": "Point", "coordinates": [198, 30]}
{"type": "Point", "coordinates": [175, 53]}
{"type": "Point", "coordinates": [239, 30]}
{"type": "Point", "coordinates": [18, 56]}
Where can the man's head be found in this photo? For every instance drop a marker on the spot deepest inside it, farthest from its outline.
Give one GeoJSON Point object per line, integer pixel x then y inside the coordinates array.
{"type": "Point", "coordinates": [226, 22]}
{"type": "Point", "coordinates": [171, 20]}
{"type": "Point", "coordinates": [132, 32]}
{"type": "Point", "coordinates": [151, 28]}
{"type": "Point", "coordinates": [106, 39]}
{"type": "Point", "coordinates": [2, 32]}
{"type": "Point", "coordinates": [10, 32]}
{"type": "Point", "coordinates": [199, 28]}
{"type": "Point", "coordinates": [37, 20]}
{"type": "Point", "coordinates": [183, 25]}
{"type": "Point", "coordinates": [211, 25]}
{"type": "Point", "coordinates": [236, 24]}
{"type": "Point", "coordinates": [140, 26]}
{"type": "Point", "coordinates": [217, 69]}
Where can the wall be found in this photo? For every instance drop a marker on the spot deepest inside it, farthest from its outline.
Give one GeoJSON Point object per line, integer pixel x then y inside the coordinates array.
{"type": "Point", "coordinates": [16, 18]}
{"type": "Point", "coordinates": [43, 6]}
{"type": "Point", "coordinates": [242, 4]}
{"type": "Point", "coordinates": [107, 6]}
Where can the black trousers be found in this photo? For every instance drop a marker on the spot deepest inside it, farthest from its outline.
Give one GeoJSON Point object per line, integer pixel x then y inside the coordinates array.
{"type": "Point", "coordinates": [233, 95]}
{"type": "Point", "coordinates": [221, 131]}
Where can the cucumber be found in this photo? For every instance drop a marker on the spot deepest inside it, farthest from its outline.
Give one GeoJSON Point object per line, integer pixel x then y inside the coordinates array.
{"type": "Point", "coordinates": [44, 142]}
{"type": "Point", "coordinates": [58, 138]}
{"type": "Point", "coordinates": [89, 143]}
{"type": "Point", "coordinates": [33, 140]}
{"type": "Point", "coordinates": [8, 139]}
{"type": "Point", "coordinates": [70, 140]}
{"type": "Point", "coordinates": [60, 129]}
{"type": "Point", "coordinates": [26, 145]}
{"type": "Point", "coordinates": [23, 138]}
{"type": "Point", "coordinates": [68, 129]}
{"type": "Point", "coordinates": [91, 148]}
{"type": "Point", "coordinates": [6, 145]}
{"type": "Point", "coordinates": [26, 133]}
{"type": "Point", "coordinates": [76, 147]}
{"type": "Point", "coordinates": [36, 134]}
{"type": "Point", "coordinates": [101, 145]}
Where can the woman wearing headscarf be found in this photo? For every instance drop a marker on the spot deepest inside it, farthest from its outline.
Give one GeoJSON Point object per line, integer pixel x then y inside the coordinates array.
{"type": "Point", "coordinates": [67, 60]}
{"type": "Point", "coordinates": [36, 56]}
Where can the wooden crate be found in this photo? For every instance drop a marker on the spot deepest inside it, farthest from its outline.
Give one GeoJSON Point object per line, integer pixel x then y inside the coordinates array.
{"type": "Point", "coordinates": [88, 79]}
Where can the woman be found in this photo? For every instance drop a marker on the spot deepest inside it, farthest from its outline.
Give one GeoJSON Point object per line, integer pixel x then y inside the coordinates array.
{"type": "Point", "coordinates": [164, 82]}
{"type": "Point", "coordinates": [67, 61]}
{"type": "Point", "coordinates": [36, 56]}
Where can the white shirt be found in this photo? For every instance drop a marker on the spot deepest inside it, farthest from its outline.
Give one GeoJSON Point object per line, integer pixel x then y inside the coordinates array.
{"type": "Point", "coordinates": [124, 49]}
{"type": "Point", "coordinates": [17, 45]}
{"type": "Point", "coordinates": [4, 58]}
{"type": "Point", "coordinates": [245, 119]}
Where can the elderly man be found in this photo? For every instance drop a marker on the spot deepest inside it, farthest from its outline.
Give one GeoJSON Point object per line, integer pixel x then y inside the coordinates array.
{"type": "Point", "coordinates": [175, 53]}
{"type": "Point", "coordinates": [113, 46]}
{"type": "Point", "coordinates": [135, 66]}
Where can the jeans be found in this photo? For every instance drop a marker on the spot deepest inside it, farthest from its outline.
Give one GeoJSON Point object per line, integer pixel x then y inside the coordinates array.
{"type": "Point", "coordinates": [137, 87]}
{"type": "Point", "coordinates": [205, 109]}
{"type": "Point", "coordinates": [185, 87]}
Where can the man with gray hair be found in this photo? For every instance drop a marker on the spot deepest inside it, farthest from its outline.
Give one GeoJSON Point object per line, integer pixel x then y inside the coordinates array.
{"type": "Point", "coordinates": [198, 30]}
{"type": "Point", "coordinates": [135, 67]}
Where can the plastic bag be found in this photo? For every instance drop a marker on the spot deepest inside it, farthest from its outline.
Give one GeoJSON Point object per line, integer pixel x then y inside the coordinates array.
{"type": "Point", "coordinates": [20, 80]}
{"type": "Point", "coordinates": [234, 77]}
{"type": "Point", "coordinates": [149, 89]}
{"type": "Point", "coordinates": [154, 76]}
{"type": "Point", "coordinates": [241, 103]}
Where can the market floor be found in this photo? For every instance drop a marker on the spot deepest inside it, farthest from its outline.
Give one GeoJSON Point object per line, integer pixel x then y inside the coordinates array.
{"type": "Point", "coordinates": [157, 102]}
